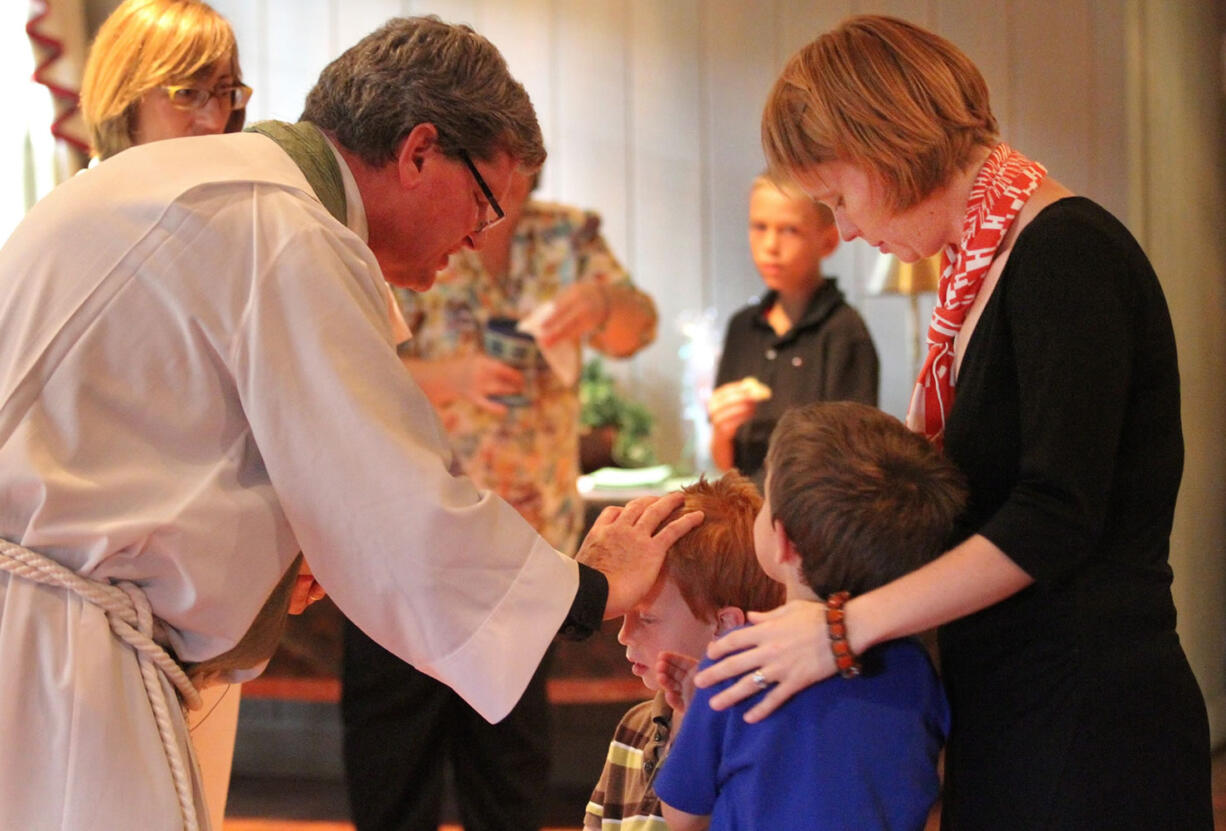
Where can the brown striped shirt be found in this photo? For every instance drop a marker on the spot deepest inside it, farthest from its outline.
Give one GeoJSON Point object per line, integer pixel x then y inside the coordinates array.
{"type": "Point", "coordinates": [624, 799]}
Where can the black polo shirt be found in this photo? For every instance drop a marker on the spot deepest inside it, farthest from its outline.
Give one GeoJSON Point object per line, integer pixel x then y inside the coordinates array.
{"type": "Point", "coordinates": [827, 356]}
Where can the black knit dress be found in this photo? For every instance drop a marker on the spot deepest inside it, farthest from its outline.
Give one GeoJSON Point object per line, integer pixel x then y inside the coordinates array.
{"type": "Point", "coordinates": [1073, 703]}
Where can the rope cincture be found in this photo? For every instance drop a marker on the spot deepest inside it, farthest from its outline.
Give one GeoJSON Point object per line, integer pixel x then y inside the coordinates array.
{"type": "Point", "coordinates": [130, 617]}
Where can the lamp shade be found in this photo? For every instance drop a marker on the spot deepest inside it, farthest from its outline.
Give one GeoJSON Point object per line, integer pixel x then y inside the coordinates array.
{"type": "Point", "coordinates": [892, 276]}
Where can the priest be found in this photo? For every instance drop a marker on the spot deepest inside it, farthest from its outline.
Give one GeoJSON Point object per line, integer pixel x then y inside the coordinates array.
{"type": "Point", "coordinates": [198, 381]}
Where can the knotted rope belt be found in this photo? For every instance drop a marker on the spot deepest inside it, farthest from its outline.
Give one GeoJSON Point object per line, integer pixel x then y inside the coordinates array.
{"type": "Point", "coordinates": [128, 612]}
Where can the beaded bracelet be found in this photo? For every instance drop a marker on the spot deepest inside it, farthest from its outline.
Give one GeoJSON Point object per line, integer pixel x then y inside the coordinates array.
{"type": "Point", "coordinates": [846, 660]}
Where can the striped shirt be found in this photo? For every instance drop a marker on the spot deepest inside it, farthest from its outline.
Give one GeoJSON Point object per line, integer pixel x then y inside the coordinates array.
{"type": "Point", "coordinates": [624, 799]}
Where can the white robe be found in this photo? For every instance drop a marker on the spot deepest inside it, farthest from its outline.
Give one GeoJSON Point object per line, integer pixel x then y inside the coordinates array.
{"type": "Point", "coordinates": [197, 380]}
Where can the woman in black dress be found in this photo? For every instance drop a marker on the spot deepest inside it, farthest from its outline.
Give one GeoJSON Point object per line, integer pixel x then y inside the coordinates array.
{"type": "Point", "coordinates": [1052, 382]}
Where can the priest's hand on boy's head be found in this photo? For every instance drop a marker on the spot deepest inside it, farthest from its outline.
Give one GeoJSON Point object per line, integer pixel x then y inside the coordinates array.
{"type": "Point", "coordinates": [627, 544]}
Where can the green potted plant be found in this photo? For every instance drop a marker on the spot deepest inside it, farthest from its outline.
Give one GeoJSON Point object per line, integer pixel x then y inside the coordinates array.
{"type": "Point", "coordinates": [615, 430]}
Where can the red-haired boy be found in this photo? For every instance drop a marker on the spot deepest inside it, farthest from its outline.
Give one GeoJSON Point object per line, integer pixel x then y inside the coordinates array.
{"type": "Point", "coordinates": [709, 580]}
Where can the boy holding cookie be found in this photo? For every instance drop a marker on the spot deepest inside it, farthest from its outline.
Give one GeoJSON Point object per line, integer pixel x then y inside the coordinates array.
{"type": "Point", "coordinates": [799, 344]}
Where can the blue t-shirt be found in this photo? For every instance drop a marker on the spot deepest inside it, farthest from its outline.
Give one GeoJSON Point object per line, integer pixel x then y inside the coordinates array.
{"type": "Point", "coordinates": [856, 753]}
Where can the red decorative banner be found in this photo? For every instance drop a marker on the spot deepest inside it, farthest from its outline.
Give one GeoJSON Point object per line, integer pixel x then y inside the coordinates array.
{"type": "Point", "coordinates": [58, 71]}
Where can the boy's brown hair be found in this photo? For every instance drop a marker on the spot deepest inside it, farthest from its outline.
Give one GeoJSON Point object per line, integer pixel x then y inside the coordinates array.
{"type": "Point", "coordinates": [863, 499]}
{"type": "Point", "coordinates": [714, 565]}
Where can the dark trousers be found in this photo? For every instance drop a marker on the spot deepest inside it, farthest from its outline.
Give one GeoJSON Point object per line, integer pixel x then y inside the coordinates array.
{"type": "Point", "coordinates": [402, 729]}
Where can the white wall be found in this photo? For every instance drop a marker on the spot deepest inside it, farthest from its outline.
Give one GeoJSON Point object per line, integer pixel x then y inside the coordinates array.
{"type": "Point", "coordinates": [650, 110]}
{"type": "Point", "coordinates": [1177, 81]}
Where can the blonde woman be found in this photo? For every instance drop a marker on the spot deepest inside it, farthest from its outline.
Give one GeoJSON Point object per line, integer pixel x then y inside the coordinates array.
{"type": "Point", "coordinates": [161, 69]}
{"type": "Point", "coordinates": [1052, 382]}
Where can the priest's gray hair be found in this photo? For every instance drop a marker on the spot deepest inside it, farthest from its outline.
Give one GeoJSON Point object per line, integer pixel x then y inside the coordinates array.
{"type": "Point", "coordinates": [420, 70]}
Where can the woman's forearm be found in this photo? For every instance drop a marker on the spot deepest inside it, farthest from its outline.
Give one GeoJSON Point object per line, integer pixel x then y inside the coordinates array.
{"type": "Point", "coordinates": [972, 576]}
{"type": "Point", "coordinates": [630, 324]}
{"type": "Point", "coordinates": [432, 382]}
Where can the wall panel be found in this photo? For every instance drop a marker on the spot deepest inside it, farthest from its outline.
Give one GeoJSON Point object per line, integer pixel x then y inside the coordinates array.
{"type": "Point", "coordinates": [354, 19]}
{"type": "Point", "coordinates": [738, 68]}
{"type": "Point", "coordinates": [452, 11]}
{"type": "Point", "coordinates": [668, 192]}
{"type": "Point", "coordinates": [1107, 181]}
{"type": "Point", "coordinates": [292, 72]}
{"type": "Point", "coordinates": [917, 11]}
{"type": "Point", "coordinates": [1051, 68]}
{"type": "Point", "coordinates": [593, 161]}
{"type": "Point", "coordinates": [525, 34]}
{"type": "Point", "coordinates": [1180, 182]}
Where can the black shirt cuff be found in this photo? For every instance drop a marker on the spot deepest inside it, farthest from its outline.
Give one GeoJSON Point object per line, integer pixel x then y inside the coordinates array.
{"type": "Point", "coordinates": [587, 611]}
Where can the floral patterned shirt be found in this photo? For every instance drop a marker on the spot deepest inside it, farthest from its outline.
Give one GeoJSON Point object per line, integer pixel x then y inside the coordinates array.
{"type": "Point", "coordinates": [530, 455]}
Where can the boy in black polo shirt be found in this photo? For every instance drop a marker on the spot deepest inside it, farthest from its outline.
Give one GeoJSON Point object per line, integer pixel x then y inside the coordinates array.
{"type": "Point", "coordinates": [800, 344]}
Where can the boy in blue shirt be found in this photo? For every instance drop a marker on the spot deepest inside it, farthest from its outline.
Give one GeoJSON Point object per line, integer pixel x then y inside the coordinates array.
{"type": "Point", "coordinates": [853, 500]}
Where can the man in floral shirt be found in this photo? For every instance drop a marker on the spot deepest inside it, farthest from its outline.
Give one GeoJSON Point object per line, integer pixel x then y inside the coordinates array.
{"type": "Point", "coordinates": [516, 432]}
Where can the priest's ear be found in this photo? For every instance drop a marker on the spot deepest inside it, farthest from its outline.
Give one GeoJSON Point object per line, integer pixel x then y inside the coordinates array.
{"type": "Point", "coordinates": [415, 150]}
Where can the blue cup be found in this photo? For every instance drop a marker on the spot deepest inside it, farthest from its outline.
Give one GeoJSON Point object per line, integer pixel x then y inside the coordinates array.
{"type": "Point", "coordinates": [504, 342]}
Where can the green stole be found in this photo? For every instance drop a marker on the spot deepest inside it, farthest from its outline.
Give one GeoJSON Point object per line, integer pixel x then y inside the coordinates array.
{"type": "Point", "coordinates": [307, 147]}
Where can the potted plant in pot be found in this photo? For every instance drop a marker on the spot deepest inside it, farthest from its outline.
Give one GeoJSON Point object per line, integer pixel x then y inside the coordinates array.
{"type": "Point", "coordinates": [616, 431]}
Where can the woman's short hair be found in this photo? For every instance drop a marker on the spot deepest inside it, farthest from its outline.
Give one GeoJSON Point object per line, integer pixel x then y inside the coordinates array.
{"type": "Point", "coordinates": [146, 44]}
{"type": "Point", "coordinates": [902, 103]}
{"type": "Point", "coordinates": [863, 499]}
{"type": "Point", "coordinates": [421, 70]}
{"type": "Point", "coordinates": [714, 565]}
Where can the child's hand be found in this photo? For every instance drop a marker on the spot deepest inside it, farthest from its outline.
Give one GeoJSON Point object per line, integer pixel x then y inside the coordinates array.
{"type": "Point", "coordinates": [306, 591]}
{"type": "Point", "coordinates": [734, 403]}
{"type": "Point", "coordinates": [675, 675]}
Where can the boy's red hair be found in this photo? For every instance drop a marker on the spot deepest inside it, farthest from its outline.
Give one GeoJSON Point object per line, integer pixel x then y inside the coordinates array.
{"type": "Point", "coordinates": [714, 565]}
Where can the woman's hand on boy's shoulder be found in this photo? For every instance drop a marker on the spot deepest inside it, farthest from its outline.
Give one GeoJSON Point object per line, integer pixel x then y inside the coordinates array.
{"type": "Point", "coordinates": [785, 649]}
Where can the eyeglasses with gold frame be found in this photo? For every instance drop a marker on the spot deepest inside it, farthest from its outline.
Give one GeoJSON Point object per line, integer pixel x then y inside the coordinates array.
{"type": "Point", "coordinates": [192, 97]}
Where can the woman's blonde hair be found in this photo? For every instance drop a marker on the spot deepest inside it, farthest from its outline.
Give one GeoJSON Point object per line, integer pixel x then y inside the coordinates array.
{"type": "Point", "coordinates": [145, 44]}
{"type": "Point", "coordinates": [902, 103]}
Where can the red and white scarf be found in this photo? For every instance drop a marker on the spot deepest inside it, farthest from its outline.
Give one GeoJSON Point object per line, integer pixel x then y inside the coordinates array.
{"type": "Point", "coordinates": [1004, 183]}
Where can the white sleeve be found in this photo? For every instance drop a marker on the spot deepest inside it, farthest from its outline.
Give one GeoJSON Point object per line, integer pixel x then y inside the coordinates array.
{"type": "Point", "coordinates": [449, 578]}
